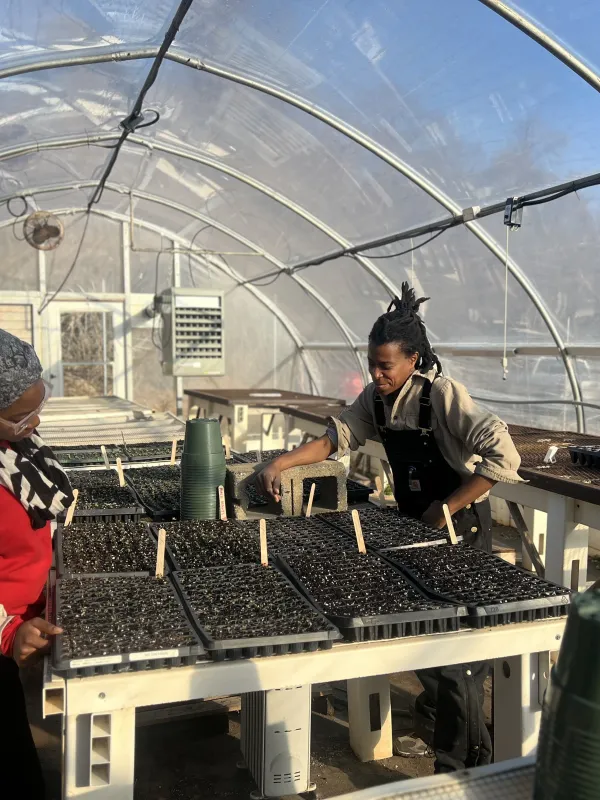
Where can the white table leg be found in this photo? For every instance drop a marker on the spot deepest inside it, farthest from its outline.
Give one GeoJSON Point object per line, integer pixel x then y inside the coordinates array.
{"type": "Point", "coordinates": [99, 755]}
{"type": "Point", "coordinates": [370, 717]}
{"type": "Point", "coordinates": [537, 525]}
{"type": "Point", "coordinates": [518, 689]}
{"type": "Point", "coordinates": [567, 544]}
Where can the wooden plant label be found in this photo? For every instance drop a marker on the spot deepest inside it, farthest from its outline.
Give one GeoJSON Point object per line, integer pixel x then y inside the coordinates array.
{"type": "Point", "coordinates": [380, 491]}
{"type": "Point", "coordinates": [120, 471]}
{"type": "Point", "coordinates": [449, 524]}
{"type": "Point", "coordinates": [222, 508]}
{"type": "Point", "coordinates": [311, 498]}
{"type": "Point", "coordinates": [360, 541]}
{"type": "Point", "coordinates": [71, 510]}
{"type": "Point", "coordinates": [105, 456]}
{"type": "Point", "coordinates": [227, 443]}
{"type": "Point", "coordinates": [264, 554]}
{"type": "Point", "coordinates": [160, 553]}
{"type": "Point", "coordinates": [174, 451]}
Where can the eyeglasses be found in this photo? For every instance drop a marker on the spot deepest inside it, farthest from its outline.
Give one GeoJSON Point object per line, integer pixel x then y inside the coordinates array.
{"type": "Point", "coordinates": [18, 427]}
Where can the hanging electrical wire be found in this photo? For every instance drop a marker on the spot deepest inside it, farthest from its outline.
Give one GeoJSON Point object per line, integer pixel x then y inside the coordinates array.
{"type": "Point", "coordinates": [410, 249]}
{"type": "Point", "coordinates": [136, 119]}
{"type": "Point", "coordinates": [71, 269]}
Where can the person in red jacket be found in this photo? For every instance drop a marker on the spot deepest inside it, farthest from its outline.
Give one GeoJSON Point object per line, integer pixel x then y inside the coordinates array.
{"type": "Point", "coordinates": [34, 490]}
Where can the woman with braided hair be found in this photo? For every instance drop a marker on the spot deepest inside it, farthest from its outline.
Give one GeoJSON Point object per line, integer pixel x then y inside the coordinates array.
{"type": "Point", "coordinates": [442, 449]}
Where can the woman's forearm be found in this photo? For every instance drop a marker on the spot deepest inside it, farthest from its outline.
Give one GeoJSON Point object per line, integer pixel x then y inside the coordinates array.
{"type": "Point", "coordinates": [469, 492]}
{"type": "Point", "coordinates": [310, 453]}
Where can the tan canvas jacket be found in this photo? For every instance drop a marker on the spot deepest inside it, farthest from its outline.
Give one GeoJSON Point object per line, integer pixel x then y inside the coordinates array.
{"type": "Point", "coordinates": [471, 439]}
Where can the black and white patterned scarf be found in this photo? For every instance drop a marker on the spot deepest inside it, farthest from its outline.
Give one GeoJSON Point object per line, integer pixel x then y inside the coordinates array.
{"type": "Point", "coordinates": [31, 472]}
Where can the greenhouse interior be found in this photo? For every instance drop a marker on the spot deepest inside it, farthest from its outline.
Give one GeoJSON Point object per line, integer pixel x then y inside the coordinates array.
{"type": "Point", "coordinates": [222, 200]}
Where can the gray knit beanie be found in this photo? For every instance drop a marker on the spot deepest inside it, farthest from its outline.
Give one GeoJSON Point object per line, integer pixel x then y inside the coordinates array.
{"type": "Point", "coordinates": [20, 368]}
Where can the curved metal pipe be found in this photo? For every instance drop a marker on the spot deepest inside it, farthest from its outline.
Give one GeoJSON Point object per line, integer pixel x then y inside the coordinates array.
{"type": "Point", "coordinates": [283, 319]}
{"type": "Point", "coordinates": [79, 141]}
{"type": "Point", "coordinates": [310, 290]}
{"type": "Point", "coordinates": [549, 43]}
{"type": "Point", "coordinates": [357, 136]}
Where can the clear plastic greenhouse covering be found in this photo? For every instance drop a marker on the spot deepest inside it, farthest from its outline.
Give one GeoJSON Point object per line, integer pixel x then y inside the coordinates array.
{"type": "Point", "coordinates": [289, 129]}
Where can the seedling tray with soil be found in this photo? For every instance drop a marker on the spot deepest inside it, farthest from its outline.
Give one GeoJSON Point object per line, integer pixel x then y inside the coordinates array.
{"type": "Point", "coordinates": [303, 535]}
{"type": "Point", "coordinates": [366, 597]}
{"type": "Point", "coordinates": [357, 492]}
{"type": "Point", "coordinates": [86, 455]}
{"type": "Point", "coordinates": [248, 610]}
{"type": "Point", "coordinates": [195, 544]}
{"type": "Point", "coordinates": [159, 451]}
{"type": "Point", "coordinates": [158, 490]}
{"type": "Point", "coordinates": [120, 622]}
{"type": "Point", "coordinates": [101, 499]}
{"type": "Point", "coordinates": [495, 592]}
{"type": "Point", "coordinates": [386, 529]}
{"type": "Point", "coordinates": [585, 455]}
{"type": "Point", "coordinates": [104, 547]}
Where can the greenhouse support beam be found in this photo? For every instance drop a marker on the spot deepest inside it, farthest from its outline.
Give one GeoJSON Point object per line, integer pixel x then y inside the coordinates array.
{"type": "Point", "coordinates": [478, 350]}
{"type": "Point", "coordinates": [310, 290]}
{"type": "Point", "coordinates": [549, 43]}
{"type": "Point", "coordinates": [231, 273]}
{"type": "Point", "coordinates": [352, 133]}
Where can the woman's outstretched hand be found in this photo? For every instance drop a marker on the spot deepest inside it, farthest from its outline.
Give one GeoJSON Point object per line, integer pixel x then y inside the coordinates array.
{"type": "Point", "coordinates": [269, 481]}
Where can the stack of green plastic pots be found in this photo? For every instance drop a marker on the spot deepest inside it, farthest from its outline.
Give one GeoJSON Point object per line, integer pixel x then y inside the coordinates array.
{"type": "Point", "coordinates": [202, 469]}
{"type": "Point", "coordinates": [568, 761]}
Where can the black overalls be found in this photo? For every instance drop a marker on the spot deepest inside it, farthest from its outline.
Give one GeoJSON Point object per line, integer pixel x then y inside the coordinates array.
{"type": "Point", "coordinates": [448, 714]}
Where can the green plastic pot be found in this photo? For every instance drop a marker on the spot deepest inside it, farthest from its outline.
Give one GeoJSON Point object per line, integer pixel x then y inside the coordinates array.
{"type": "Point", "coordinates": [202, 436]}
{"type": "Point", "coordinates": [568, 761]}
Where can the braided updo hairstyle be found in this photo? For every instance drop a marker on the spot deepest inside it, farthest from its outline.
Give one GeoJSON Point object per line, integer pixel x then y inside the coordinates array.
{"type": "Point", "coordinates": [403, 326]}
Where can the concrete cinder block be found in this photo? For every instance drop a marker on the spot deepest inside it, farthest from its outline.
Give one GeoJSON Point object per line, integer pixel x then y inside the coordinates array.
{"type": "Point", "coordinates": [240, 480]}
{"type": "Point", "coordinates": [332, 478]}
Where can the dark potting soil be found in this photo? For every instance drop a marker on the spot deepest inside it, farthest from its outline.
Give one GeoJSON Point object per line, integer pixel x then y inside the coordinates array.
{"type": "Point", "coordinates": [351, 584]}
{"type": "Point", "coordinates": [303, 535]}
{"type": "Point", "coordinates": [157, 487]}
{"type": "Point", "coordinates": [86, 455]}
{"type": "Point", "coordinates": [385, 528]}
{"type": "Point", "coordinates": [100, 489]}
{"type": "Point", "coordinates": [211, 543]}
{"type": "Point", "coordinates": [106, 547]}
{"type": "Point", "coordinates": [473, 577]}
{"type": "Point", "coordinates": [247, 601]}
{"type": "Point", "coordinates": [159, 451]}
{"type": "Point", "coordinates": [121, 614]}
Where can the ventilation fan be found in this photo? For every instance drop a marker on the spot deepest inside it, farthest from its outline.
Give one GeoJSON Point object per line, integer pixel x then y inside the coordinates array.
{"type": "Point", "coordinates": [43, 230]}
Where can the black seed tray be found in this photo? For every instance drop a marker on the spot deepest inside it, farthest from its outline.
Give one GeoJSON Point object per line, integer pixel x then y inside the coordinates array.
{"type": "Point", "coordinates": [357, 492]}
{"type": "Point", "coordinates": [158, 490]}
{"type": "Point", "coordinates": [494, 591]}
{"type": "Point", "coordinates": [119, 623]}
{"type": "Point", "coordinates": [302, 535]}
{"type": "Point", "coordinates": [195, 544]}
{"type": "Point", "coordinates": [158, 451]}
{"type": "Point", "coordinates": [385, 529]}
{"type": "Point", "coordinates": [86, 455]}
{"type": "Point", "coordinates": [366, 597]}
{"type": "Point", "coordinates": [101, 499]}
{"type": "Point", "coordinates": [104, 547]}
{"type": "Point", "coordinates": [247, 611]}
{"type": "Point", "coordinates": [585, 455]}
